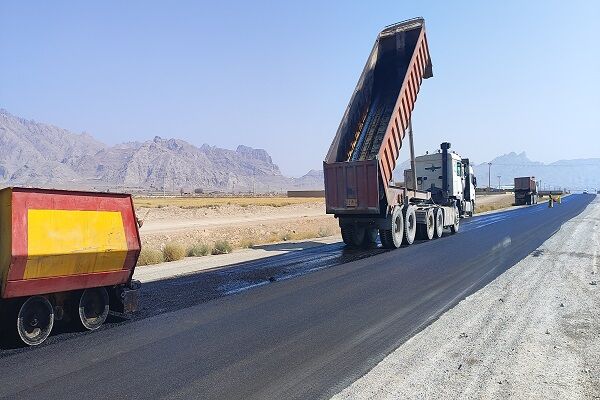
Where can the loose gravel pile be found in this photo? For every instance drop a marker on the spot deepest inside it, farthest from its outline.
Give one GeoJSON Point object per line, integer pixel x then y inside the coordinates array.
{"type": "Point", "coordinates": [533, 333]}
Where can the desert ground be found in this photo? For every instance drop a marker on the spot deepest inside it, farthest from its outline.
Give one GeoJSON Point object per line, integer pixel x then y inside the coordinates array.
{"type": "Point", "coordinates": [244, 222]}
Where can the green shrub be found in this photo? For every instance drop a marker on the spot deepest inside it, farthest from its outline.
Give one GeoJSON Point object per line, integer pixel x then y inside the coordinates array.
{"type": "Point", "coordinates": [174, 251]}
{"type": "Point", "coordinates": [150, 257]}
{"type": "Point", "coordinates": [198, 250]}
{"type": "Point", "coordinates": [221, 247]}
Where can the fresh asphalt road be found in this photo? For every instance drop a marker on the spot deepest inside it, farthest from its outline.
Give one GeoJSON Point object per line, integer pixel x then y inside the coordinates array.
{"type": "Point", "coordinates": [306, 337]}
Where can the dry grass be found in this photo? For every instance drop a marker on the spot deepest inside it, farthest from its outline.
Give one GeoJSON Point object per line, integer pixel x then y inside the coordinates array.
{"type": "Point", "coordinates": [199, 250]}
{"type": "Point", "coordinates": [207, 202]}
{"type": "Point", "coordinates": [150, 257]}
{"type": "Point", "coordinates": [222, 247]}
{"type": "Point", "coordinates": [174, 251]}
{"type": "Point", "coordinates": [500, 203]}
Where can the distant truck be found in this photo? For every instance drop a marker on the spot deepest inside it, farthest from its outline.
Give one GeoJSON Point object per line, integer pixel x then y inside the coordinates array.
{"type": "Point", "coordinates": [64, 255]}
{"type": "Point", "coordinates": [526, 192]}
{"type": "Point", "coordinates": [358, 169]}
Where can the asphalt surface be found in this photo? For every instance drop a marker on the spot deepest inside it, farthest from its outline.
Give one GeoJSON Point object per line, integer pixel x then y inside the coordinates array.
{"type": "Point", "coordinates": [306, 337]}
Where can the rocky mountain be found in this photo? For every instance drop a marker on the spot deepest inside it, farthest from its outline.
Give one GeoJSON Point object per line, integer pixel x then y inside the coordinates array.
{"type": "Point", "coordinates": [37, 154]}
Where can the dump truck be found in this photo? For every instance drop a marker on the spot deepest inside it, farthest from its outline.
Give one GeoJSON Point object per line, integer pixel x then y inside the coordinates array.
{"type": "Point", "coordinates": [358, 170]}
{"type": "Point", "coordinates": [526, 192]}
{"type": "Point", "coordinates": [65, 255]}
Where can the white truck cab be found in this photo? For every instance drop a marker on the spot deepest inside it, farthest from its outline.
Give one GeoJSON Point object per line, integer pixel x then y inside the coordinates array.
{"type": "Point", "coordinates": [449, 178]}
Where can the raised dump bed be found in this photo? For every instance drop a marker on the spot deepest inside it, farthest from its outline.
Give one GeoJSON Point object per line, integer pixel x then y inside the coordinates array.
{"type": "Point", "coordinates": [373, 127]}
{"type": "Point", "coordinates": [65, 255]}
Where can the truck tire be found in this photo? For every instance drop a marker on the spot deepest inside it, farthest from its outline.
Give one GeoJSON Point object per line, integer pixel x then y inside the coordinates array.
{"type": "Point", "coordinates": [439, 222]}
{"type": "Point", "coordinates": [472, 209]}
{"type": "Point", "coordinates": [352, 235]}
{"type": "Point", "coordinates": [410, 224]}
{"type": "Point", "coordinates": [370, 239]}
{"type": "Point", "coordinates": [93, 308]}
{"type": "Point", "coordinates": [456, 226]}
{"type": "Point", "coordinates": [425, 231]}
{"type": "Point", "coordinates": [392, 238]}
{"type": "Point", "coordinates": [35, 319]}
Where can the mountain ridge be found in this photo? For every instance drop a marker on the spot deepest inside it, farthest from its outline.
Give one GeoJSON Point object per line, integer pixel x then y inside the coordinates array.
{"type": "Point", "coordinates": [44, 155]}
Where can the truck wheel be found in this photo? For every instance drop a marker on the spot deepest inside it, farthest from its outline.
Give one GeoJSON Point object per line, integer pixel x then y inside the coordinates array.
{"type": "Point", "coordinates": [410, 224]}
{"type": "Point", "coordinates": [370, 239]}
{"type": "Point", "coordinates": [93, 308]}
{"type": "Point", "coordinates": [472, 209]}
{"type": "Point", "coordinates": [439, 222]}
{"type": "Point", "coordinates": [352, 235]}
{"type": "Point", "coordinates": [392, 238]}
{"type": "Point", "coordinates": [429, 227]}
{"type": "Point", "coordinates": [454, 228]}
{"type": "Point", "coordinates": [35, 320]}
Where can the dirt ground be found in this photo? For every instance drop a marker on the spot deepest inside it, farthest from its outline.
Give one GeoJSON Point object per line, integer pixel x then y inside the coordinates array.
{"type": "Point", "coordinates": [491, 202]}
{"type": "Point", "coordinates": [242, 225]}
{"type": "Point", "coordinates": [533, 333]}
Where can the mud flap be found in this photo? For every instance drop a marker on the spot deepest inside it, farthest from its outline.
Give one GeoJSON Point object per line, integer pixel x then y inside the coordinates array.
{"type": "Point", "coordinates": [125, 298]}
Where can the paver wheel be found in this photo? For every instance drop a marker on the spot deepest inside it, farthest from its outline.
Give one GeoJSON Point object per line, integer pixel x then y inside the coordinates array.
{"type": "Point", "coordinates": [93, 308]}
{"type": "Point", "coordinates": [35, 319]}
{"type": "Point", "coordinates": [392, 238]}
{"type": "Point", "coordinates": [410, 224]}
{"type": "Point", "coordinates": [352, 235]}
{"type": "Point", "coordinates": [439, 222]}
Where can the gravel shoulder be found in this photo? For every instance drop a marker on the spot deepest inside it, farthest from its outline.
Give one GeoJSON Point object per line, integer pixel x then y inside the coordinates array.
{"type": "Point", "coordinates": [533, 333]}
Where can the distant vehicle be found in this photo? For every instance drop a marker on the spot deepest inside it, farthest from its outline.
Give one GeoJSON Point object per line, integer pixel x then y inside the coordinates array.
{"type": "Point", "coordinates": [64, 255]}
{"type": "Point", "coordinates": [526, 191]}
{"type": "Point", "coordinates": [585, 192]}
{"type": "Point", "coordinates": [358, 169]}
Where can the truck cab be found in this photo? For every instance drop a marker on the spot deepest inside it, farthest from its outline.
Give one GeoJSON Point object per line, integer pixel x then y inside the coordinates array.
{"type": "Point", "coordinates": [449, 177]}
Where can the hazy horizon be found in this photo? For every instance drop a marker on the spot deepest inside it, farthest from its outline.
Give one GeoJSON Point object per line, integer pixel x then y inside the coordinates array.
{"type": "Point", "coordinates": [507, 77]}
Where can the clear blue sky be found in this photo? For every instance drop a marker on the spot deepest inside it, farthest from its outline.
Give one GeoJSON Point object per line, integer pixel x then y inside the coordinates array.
{"type": "Point", "coordinates": [508, 75]}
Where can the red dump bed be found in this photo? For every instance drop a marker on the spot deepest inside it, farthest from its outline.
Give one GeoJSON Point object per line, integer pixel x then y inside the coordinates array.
{"type": "Point", "coordinates": [374, 124]}
{"type": "Point", "coordinates": [525, 183]}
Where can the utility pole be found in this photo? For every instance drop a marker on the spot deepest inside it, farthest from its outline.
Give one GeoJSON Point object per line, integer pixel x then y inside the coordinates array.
{"type": "Point", "coordinates": [489, 176]}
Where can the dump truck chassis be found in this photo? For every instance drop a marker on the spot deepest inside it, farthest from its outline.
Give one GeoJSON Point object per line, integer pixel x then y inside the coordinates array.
{"type": "Point", "coordinates": [419, 221]}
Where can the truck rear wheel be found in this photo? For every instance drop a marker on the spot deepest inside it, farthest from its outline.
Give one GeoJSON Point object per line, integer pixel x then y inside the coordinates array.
{"type": "Point", "coordinates": [35, 320]}
{"type": "Point", "coordinates": [392, 238]}
{"type": "Point", "coordinates": [93, 308]}
{"type": "Point", "coordinates": [439, 222]}
{"type": "Point", "coordinates": [455, 227]}
{"type": "Point", "coordinates": [352, 235]}
{"type": "Point", "coordinates": [370, 237]}
{"type": "Point", "coordinates": [428, 227]}
{"type": "Point", "coordinates": [410, 224]}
